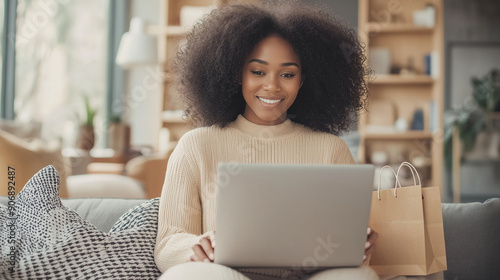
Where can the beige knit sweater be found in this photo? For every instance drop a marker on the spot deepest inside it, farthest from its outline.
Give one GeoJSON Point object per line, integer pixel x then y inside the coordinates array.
{"type": "Point", "coordinates": [188, 202]}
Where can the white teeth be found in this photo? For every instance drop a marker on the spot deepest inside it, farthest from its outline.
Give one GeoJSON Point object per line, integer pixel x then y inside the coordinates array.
{"type": "Point", "coordinates": [269, 101]}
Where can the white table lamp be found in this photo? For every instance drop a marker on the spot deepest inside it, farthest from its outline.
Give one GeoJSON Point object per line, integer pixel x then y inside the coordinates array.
{"type": "Point", "coordinates": [136, 47]}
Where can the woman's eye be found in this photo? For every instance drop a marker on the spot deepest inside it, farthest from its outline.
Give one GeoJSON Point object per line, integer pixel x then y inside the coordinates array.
{"type": "Point", "coordinates": [288, 75]}
{"type": "Point", "coordinates": [260, 73]}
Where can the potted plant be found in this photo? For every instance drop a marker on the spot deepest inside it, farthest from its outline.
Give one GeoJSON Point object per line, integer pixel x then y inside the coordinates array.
{"type": "Point", "coordinates": [474, 119]}
{"type": "Point", "coordinates": [86, 136]}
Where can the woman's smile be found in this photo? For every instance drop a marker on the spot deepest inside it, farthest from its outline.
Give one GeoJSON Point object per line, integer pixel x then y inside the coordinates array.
{"type": "Point", "coordinates": [270, 102]}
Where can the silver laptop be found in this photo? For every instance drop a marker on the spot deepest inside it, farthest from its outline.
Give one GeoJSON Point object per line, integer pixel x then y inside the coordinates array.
{"type": "Point", "coordinates": [292, 216]}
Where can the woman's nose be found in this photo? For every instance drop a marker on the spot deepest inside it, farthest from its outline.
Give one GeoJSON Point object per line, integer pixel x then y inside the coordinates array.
{"type": "Point", "coordinates": [272, 84]}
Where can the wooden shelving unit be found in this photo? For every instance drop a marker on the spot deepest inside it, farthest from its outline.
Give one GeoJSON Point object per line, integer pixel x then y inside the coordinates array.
{"type": "Point", "coordinates": [171, 36]}
{"type": "Point", "coordinates": [382, 25]}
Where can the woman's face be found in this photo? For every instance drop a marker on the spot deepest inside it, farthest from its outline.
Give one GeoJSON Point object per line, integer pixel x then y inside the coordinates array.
{"type": "Point", "coordinates": [271, 78]}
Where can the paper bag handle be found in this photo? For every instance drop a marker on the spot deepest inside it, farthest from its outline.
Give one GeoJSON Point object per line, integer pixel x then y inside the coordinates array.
{"type": "Point", "coordinates": [413, 173]}
{"type": "Point", "coordinates": [396, 181]}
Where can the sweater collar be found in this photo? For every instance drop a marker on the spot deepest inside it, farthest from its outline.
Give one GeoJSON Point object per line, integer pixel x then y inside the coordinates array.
{"type": "Point", "coordinates": [264, 132]}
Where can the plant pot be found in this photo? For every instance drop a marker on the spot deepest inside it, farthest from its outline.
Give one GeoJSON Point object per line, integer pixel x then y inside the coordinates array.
{"type": "Point", "coordinates": [86, 138]}
{"type": "Point", "coordinates": [119, 137]}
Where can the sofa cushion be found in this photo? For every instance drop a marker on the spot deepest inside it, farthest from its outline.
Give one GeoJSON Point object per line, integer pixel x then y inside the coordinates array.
{"type": "Point", "coordinates": [104, 185]}
{"type": "Point", "coordinates": [48, 240]}
{"type": "Point", "coordinates": [101, 212]}
{"type": "Point", "coordinates": [472, 239]}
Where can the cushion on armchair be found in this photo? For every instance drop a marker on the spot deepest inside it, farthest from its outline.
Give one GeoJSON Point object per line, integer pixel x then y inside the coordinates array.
{"type": "Point", "coordinates": [48, 240]}
{"type": "Point", "coordinates": [472, 239]}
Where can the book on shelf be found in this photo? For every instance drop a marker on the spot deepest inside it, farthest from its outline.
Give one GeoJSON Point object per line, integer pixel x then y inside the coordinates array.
{"type": "Point", "coordinates": [431, 63]}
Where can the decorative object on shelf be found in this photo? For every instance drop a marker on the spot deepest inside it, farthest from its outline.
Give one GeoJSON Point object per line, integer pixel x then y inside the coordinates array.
{"type": "Point", "coordinates": [136, 47]}
{"type": "Point", "coordinates": [380, 60]}
{"type": "Point", "coordinates": [421, 162]}
{"type": "Point", "coordinates": [409, 69]}
{"type": "Point", "coordinates": [86, 136]}
{"type": "Point", "coordinates": [395, 69]}
{"type": "Point", "coordinates": [472, 119]}
{"type": "Point", "coordinates": [401, 125]}
{"type": "Point", "coordinates": [425, 17]}
{"type": "Point", "coordinates": [431, 64]}
{"type": "Point", "coordinates": [380, 159]}
{"type": "Point", "coordinates": [418, 120]}
{"type": "Point", "coordinates": [118, 135]}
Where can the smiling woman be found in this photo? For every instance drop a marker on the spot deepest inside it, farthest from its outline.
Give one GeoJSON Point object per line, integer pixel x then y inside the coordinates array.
{"type": "Point", "coordinates": [269, 84]}
{"type": "Point", "coordinates": [271, 79]}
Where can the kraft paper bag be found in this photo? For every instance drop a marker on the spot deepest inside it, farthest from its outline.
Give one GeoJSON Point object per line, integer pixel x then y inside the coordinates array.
{"type": "Point", "coordinates": [434, 230]}
{"type": "Point", "coordinates": [410, 227]}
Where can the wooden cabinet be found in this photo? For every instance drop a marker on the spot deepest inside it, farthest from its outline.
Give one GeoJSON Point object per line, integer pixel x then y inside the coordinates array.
{"type": "Point", "coordinates": [404, 46]}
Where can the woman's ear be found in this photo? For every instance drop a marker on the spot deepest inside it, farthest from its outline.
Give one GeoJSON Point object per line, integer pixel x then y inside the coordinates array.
{"type": "Point", "coordinates": [302, 80]}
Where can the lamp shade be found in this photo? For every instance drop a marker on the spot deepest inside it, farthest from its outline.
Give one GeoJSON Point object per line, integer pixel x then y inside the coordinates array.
{"type": "Point", "coordinates": [136, 47]}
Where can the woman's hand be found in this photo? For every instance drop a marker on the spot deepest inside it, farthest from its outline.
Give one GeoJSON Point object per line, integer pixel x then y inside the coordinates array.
{"type": "Point", "coordinates": [370, 242]}
{"type": "Point", "coordinates": [204, 250]}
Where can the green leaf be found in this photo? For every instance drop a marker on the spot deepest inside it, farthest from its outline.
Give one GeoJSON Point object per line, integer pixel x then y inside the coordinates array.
{"type": "Point", "coordinates": [90, 112]}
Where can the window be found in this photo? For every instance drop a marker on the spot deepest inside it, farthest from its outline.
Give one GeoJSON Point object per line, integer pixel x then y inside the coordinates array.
{"type": "Point", "coordinates": [64, 50]}
{"type": "Point", "coordinates": [61, 49]}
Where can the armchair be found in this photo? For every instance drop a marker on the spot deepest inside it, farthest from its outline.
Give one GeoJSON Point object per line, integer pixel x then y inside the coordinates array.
{"type": "Point", "coordinates": [150, 170]}
{"type": "Point", "coordinates": [27, 156]}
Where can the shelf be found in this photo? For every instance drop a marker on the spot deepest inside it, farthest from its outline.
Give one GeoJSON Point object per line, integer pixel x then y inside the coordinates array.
{"type": "Point", "coordinates": [394, 96]}
{"type": "Point", "coordinates": [401, 80]}
{"type": "Point", "coordinates": [374, 27]}
{"type": "Point", "coordinates": [173, 116]}
{"type": "Point", "coordinates": [409, 135]}
{"type": "Point", "coordinates": [169, 31]}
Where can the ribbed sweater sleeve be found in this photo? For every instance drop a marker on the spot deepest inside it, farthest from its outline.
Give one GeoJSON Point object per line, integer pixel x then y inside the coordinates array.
{"type": "Point", "coordinates": [179, 223]}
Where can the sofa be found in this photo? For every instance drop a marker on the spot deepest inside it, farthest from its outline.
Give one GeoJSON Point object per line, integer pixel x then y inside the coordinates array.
{"type": "Point", "coordinates": [472, 230]}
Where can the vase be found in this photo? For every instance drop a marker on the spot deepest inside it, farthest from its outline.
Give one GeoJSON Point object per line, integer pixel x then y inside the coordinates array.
{"type": "Point", "coordinates": [86, 138]}
{"type": "Point", "coordinates": [119, 138]}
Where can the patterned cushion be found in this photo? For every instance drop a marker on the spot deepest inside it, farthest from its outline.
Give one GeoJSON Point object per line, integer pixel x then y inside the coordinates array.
{"type": "Point", "coordinates": [41, 238]}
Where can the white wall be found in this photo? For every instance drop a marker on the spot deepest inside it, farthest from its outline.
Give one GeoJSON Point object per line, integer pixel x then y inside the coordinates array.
{"type": "Point", "coordinates": [143, 86]}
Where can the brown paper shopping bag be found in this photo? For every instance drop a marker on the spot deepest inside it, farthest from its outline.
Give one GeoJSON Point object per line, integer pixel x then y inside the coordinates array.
{"type": "Point", "coordinates": [410, 226]}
